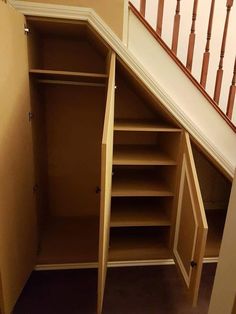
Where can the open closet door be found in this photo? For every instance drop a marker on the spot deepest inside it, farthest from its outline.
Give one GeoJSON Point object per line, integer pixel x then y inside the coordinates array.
{"type": "Point", "coordinates": [18, 241]}
{"type": "Point", "coordinates": [191, 225]}
{"type": "Point", "coordinates": [106, 180]}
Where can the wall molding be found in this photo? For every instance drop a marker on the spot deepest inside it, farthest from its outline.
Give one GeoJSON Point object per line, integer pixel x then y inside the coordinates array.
{"type": "Point", "coordinates": [89, 15]}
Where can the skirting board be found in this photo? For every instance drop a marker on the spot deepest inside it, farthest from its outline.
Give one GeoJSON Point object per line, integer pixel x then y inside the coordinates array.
{"type": "Point", "coordinates": [160, 262]}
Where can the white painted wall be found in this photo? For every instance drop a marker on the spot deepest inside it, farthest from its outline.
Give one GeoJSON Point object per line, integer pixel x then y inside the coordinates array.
{"type": "Point", "coordinates": [185, 101]}
{"type": "Point", "coordinates": [201, 32]}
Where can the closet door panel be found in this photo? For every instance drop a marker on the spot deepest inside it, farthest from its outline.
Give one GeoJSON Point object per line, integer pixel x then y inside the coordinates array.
{"type": "Point", "coordinates": [18, 240]}
{"type": "Point", "coordinates": [106, 181]}
{"type": "Point", "coordinates": [191, 224]}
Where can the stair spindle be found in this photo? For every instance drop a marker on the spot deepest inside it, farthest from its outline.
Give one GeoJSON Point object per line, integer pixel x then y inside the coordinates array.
{"type": "Point", "coordinates": [160, 16]}
{"type": "Point", "coordinates": [206, 55]}
{"type": "Point", "coordinates": [143, 7]}
{"type": "Point", "coordinates": [192, 36]}
{"type": "Point", "coordinates": [232, 92]}
{"type": "Point", "coordinates": [220, 71]}
{"type": "Point", "coordinates": [175, 36]}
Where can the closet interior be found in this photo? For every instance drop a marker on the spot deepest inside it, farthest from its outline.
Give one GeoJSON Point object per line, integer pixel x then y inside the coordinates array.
{"type": "Point", "coordinates": [69, 69]}
{"type": "Point", "coordinates": [68, 74]}
{"type": "Point", "coordinates": [215, 191]}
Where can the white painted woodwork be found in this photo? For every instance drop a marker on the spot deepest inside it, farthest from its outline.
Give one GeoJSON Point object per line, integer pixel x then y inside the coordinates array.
{"type": "Point", "coordinates": [106, 181]}
{"type": "Point", "coordinates": [191, 224]}
{"type": "Point", "coordinates": [18, 227]}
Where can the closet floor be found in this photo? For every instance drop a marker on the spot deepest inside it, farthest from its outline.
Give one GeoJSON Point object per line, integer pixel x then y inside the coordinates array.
{"type": "Point", "coordinates": [131, 290]}
{"type": "Point", "coordinates": [69, 240]}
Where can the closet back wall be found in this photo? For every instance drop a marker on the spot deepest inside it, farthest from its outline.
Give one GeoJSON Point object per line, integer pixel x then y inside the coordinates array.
{"type": "Point", "coordinates": [74, 123]}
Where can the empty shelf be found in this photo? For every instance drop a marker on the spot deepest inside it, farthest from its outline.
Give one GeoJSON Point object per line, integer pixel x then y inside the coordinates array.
{"type": "Point", "coordinates": [138, 244]}
{"type": "Point", "coordinates": [127, 182]}
{"type": "Point", "coordinates": [140, 155]}
{"type": "Point", "coordinates": [128, 212]}
{"type": "Point", "coordinates": [216, 221]}
{"type": "Point", "coordinates": [143, 125]}
{"type": "Point", "coordinates": [67, 76]}
{"type": "Point", "coordinates": [69, 240]}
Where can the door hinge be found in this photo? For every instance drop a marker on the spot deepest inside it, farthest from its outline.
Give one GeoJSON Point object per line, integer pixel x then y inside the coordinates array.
{"type": "Point", "coordinates": [26, 29]}
{"type": "Point", "coordinates": [30, 115]}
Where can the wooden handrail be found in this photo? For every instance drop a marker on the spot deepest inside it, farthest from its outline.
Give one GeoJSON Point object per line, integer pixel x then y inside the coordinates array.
{"type": "Point", "coordinates": [220, 71]}
{"type": "Point", "coordinates": [181, 65]}
{"type": "Point", "coordinates": [232, 91]}
{"type": "Point", "coordinates": [175, 36]}
{"type": "Point", "coordinates": [206, 55]}
{"type": "Point", "coordinates": [160, 12]}
{"type": "Point", "coordinates": [192, 37]}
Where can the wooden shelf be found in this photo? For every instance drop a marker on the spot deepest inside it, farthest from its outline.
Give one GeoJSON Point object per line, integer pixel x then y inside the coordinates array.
{"type": "Point", "coordinates": [144, 126]}
{"type": "Point", "coordinates": [67, 76]}
{"type": "Point", "coordinates": [216, 221]}
{"type": "Point", "coordinates": [140, 155]}
{"type": "Point", "coordinates": [133, 182]}
{"type": "Point", "coordinates": [133, 212]}
{"type": "Point", "coordinates": [138, 244]}
{"type": "Point", "coordinates": [69, 240]}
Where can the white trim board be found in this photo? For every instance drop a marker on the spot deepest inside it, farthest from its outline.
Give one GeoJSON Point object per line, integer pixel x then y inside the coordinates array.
{"type": "Point", "coordinates": [160, 262]}
{"type": "Point", "coordinates": [225, 158]}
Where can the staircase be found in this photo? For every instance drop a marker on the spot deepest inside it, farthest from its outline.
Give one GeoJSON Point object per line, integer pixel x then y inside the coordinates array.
{"type": "Point", "coordinates": [181, 93]}
{"type": "Point", "coordinates": [197, 35]}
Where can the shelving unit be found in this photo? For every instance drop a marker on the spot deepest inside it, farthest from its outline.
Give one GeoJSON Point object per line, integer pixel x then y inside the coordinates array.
{"type": "Point", "coordinates": [145, 154]}
{"type": "Point", "coordinates": [140, 155]}
{"type": "Point", "coordinates": [140, 211]}
{"type": "Point", "coordinates": [139, 244]}
{"type": "Point", "coordinates": [135, 182]}
{"type": "Point", "coordinates": [143, 126]}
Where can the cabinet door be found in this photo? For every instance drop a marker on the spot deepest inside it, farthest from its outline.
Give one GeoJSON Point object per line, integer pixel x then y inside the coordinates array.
{"type": "Point", "coordinates": [17, 204]}
{"type": "Point", "coordinates": [106, 181]}
{"type": "Point", "coordinates": [191, 225]}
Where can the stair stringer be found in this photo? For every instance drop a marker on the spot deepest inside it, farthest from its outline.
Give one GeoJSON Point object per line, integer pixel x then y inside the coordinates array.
{"type": "Point", "coordinates": [218, 140]}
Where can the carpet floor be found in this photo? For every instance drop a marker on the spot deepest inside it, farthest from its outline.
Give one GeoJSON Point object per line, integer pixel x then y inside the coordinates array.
{"type": "Point", "coordinates": [130, 290]}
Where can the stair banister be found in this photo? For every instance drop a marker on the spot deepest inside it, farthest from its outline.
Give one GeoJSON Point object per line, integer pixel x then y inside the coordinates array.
{"type": "Point", "coordinates": [232, 91]}
{"type": "Point", "coordinates": [175, 36]}
{"type": "Point", "coordinates": [206, 55]}
{"type": "Point", "coordinates": [220, 71]}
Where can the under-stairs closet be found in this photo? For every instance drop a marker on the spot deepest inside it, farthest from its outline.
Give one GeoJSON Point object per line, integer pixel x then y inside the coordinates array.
{"type": "Point", "coordinates": [95, 170]}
